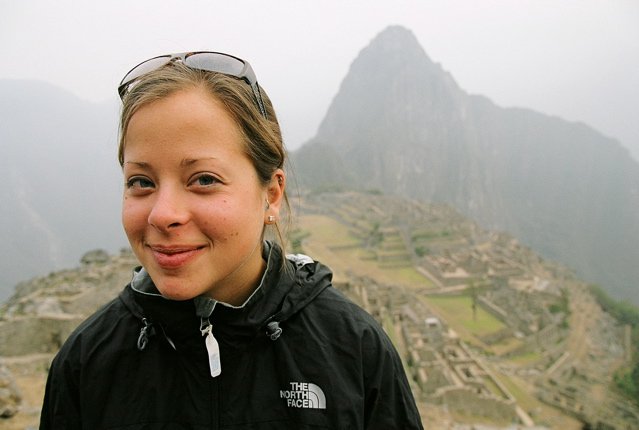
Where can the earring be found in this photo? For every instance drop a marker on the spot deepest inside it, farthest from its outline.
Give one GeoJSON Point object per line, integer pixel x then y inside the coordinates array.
{"type": "Point", "coordinates": [268, 205]}
{"type": "Point", "coordinates": [271, 218]}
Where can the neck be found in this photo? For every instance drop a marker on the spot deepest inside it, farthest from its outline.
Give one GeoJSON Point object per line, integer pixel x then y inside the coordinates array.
{"type": "Point", "coordinates": [243, 281]}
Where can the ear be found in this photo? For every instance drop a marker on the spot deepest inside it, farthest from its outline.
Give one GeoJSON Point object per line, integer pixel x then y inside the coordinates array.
{"type": "Point", "coordinates": [275, 194]}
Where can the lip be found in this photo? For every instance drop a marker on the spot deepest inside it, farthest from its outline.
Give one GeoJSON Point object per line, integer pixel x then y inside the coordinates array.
{"type": "Point", "coordinates": [174, 256]}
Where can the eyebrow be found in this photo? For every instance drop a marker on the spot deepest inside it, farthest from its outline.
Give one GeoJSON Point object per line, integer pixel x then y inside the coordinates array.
{"type": "Point", "coordinates": [189, 161]}
{"type": "Point", "coordinates": [138, 163]}
{"type": "Point", "coordinates": [184, 163]}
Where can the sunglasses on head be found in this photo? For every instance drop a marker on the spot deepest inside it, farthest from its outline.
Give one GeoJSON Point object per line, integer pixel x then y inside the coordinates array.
{"type": "Point", "coordinates": [217, 62]}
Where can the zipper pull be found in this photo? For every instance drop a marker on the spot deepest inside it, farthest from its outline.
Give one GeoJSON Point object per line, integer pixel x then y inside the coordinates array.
{"type": "Point", "coordinates": [213, 349]}
{"type": "Point", "coordinates": [145, 332]}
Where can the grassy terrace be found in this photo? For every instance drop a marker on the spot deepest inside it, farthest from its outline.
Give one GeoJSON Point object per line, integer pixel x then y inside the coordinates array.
{"type": "Point", "coordinates": [526, 359]}
{"type": "Point", "coordinates": [333, 243]}
{"type": "Point", "coordinates": [511, 344]}
{"type": "Point", "coordinates": [328, 231]}
{"type": "Point", "coordinates": [458, 312]}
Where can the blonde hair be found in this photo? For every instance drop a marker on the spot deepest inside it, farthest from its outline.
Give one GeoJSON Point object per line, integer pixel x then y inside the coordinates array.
{"type": "Point", "coordinates": [262, 137]}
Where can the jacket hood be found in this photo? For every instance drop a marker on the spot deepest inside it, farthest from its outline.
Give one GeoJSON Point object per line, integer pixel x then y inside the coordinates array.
{"type": "Point", "coordinates": [285, 289]}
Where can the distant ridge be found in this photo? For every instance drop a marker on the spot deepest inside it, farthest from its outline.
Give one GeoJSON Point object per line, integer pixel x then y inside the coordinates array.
{"type": "Point", "coordinates": [401, 124]}
{"type": "Point", "coordinates": [61, 194]}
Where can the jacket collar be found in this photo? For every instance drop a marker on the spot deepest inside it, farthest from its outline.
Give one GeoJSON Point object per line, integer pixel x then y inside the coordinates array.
{"type": "Point", "coordinates": [284, 290]}
{"type": "Point", "coordinates": [143, 285]}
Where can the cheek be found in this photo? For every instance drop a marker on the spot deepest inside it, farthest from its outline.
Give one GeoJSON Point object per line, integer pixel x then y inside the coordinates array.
{"type": "Point", "coordinates": [134, 216]}
{"type": "Point", "coordinates": [216, 226]}
{"type": "Point", "coordinates": [227, 220]}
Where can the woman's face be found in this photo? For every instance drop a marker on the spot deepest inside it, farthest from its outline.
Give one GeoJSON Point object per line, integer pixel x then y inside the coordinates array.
{"type": "Point", "coordinates": [194, 208]}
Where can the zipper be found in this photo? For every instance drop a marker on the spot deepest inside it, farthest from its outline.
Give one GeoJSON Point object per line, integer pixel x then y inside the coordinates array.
{"type": "Point", "coordinates": [145, 332]}
{"type": "Point", "coordinates": [212, 347]}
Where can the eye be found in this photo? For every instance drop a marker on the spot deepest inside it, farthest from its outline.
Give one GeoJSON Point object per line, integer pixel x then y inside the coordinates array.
{"type": "Point", "coordinates": [139, 183]}
{"type": "Point", "coordinates": [204, 180]}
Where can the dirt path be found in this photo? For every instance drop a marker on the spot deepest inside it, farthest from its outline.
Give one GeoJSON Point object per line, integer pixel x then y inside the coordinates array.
{"type": "Point", "coordinates": [583, 319]}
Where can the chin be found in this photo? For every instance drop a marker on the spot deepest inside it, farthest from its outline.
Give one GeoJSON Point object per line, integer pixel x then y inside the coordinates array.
{"type": "Point", "coordinates": [176, 291]}
{"type": "Point", "coordinates": [178, 297]}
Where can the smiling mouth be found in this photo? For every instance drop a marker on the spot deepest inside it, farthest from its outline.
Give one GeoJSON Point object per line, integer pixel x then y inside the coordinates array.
{"type": "Point", "coordinates": [174, 257]}
{"type": "Point", "coordinates": [174, 249]}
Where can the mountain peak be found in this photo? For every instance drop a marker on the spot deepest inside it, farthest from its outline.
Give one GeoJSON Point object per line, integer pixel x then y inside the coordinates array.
{"type": "Point", "coordinates": [400, 124]}
{"type": "Point", "coordinates": [393, 70]}
{"type": "Point", "coordinates": [395, 38]}
{"type": "Point", "coordinates": [395, 47]}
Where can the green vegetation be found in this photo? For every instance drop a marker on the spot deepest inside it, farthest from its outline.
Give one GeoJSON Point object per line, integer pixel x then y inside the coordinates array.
{"type": "Point", "coordinates": [562, 306]}
{"type": "Point", "coordinates": [330, 231]}
{"type": "Point", "coordinates": [393, 242]}
{"type": "Point", "coordinates": [527, 359]}
{"type": "Point", "coordinates": [343, 247]}
{"type": "Point", "coordinates": [412, 276]}
{"type": "Point", "coordinates": [420, 235]}
{"type": "Point", "coordinates": [421, 251]}
{"type": "Point", "coordinates": [528, 402]}
{"type": "Point", "coordinates": [627, 379]}
{"type": "Point", "coordinates": [375, 236]}
{"type": "Point", "coordinates": [367, 254]}
{"type": "Point", "coordinates": [458, 311]}
{"type": "Point", "coordinates": [295, 238]}
{"type": "Point", "coordinates": [623, 311]}
{"type": "Point", "coordinates": [389, 328]}
{"type": "Point", "coordinates": [374, 192]}
{"type": "Point", "coordinates": [493, 388]}
{"type": "Point", "coordinates": [506, 346]}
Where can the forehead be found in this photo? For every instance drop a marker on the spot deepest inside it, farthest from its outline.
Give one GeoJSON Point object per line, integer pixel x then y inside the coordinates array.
{"type": "Point", "coordinates": [187, 116]}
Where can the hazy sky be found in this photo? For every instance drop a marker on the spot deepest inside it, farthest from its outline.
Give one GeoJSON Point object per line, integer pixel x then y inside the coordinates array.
{"type": "Point", "coordinates": [575, 59]}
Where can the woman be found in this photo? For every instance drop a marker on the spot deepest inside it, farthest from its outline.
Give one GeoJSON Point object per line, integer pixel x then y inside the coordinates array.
{"type": "Point", "coordinates": [218, 329]}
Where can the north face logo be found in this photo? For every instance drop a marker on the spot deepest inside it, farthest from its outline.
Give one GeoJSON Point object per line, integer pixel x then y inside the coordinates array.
{"type": "Point", "coordinates": [304, 395]}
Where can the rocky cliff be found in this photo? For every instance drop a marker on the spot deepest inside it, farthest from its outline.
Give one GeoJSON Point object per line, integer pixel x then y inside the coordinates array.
{"type": "Point", "coordinates": [401, 124]}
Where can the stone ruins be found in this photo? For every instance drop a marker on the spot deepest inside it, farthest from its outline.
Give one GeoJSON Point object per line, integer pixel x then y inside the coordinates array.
{"type": "Point", "coordinates": [553, 334]}
{"type": "Point", "coordinates": [491, 335]}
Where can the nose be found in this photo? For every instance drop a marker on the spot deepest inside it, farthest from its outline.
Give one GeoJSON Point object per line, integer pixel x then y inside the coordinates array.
{"type": "Point", "coordinates": [169, 210]}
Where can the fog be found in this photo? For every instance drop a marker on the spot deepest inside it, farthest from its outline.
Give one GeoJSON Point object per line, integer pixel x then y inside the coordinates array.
{"type": "Point", "coordinates": [568, 189]}
{"type": "Point", "coordinates": [574, 59]}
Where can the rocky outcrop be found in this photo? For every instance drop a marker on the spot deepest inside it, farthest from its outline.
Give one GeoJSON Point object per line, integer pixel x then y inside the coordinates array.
{"type": "Point", "coordinates": [10, 397]}
{"type": "Point", "coordinates": [44, 311]}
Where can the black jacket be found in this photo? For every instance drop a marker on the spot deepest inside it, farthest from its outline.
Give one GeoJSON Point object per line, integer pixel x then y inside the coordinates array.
{"type": "Point", "coordinates": [296, 355]}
